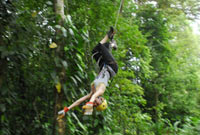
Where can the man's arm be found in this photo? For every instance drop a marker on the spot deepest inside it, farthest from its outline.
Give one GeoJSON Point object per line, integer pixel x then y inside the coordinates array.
{"type": "Point", "coordinates": [61, 113]}
{"type": "Point", "coordinates": [79, 101]}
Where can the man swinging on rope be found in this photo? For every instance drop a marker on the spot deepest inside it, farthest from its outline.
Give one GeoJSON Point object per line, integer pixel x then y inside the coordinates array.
{"type": "Point", "coordinates": [108, 69]}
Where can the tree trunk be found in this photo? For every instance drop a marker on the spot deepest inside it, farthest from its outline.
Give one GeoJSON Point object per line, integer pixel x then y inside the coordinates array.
{"type": "Point", "coordinates": [60, 124]}
{"type": "Point", "coordinates": [59, 8]}
{"type": "Point", "coordinates": [3, 62]}
{"type": "Point", "coordinates": [3, 65]}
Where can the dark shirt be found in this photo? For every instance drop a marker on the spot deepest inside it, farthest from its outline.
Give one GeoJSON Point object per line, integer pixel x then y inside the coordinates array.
{"type": "Point", "coordinates": [102, 54]}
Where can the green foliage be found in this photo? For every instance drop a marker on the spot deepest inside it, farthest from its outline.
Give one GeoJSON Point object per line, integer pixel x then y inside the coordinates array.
{"type": "Point", "coordinates": [154, 93]}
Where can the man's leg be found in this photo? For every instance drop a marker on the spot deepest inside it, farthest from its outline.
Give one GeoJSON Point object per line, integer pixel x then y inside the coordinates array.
{"type": "Point", "coordinates": [89, 106]}
{"type": "Point", "coordinates": [104, 40]}
{"type": "Point", "coordinates": [102, 47]}
{"type": "Point", "coordinates": [99, 91]}
{"type": "Point", "coordinates": [79, 101]}
{"type": "Point", "coordinates": [109, 35]}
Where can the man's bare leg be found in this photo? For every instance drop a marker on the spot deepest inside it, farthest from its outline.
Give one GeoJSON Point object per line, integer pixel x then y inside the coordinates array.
{"type": "Point", "coordinates": [99, 91]}
{"type": "Point", "coordinates": [104, 40]}
{"type": "Point", "coordinates": [89, 106]}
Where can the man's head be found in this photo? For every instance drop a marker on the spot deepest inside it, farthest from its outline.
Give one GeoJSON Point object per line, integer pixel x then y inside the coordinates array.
{"type": "Point", "coordinates": [100, 103]}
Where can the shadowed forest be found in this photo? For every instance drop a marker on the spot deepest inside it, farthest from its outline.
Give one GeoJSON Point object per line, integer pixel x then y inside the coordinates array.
{"type": "Point", "coordinates": [46, 64]}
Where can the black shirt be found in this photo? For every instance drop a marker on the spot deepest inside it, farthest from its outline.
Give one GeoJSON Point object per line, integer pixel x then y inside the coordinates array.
{"type": "Point", "coordinates": [102, 54]}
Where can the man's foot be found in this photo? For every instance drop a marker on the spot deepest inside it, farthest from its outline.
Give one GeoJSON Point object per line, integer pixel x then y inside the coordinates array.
{"type": "Point", "coordinates": [111, 33]}
{"type": "Point", "coordinates": [88, 108]}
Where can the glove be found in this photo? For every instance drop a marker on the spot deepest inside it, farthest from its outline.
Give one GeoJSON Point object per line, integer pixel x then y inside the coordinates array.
{"type": "Point", "coordinates": [61, 113]}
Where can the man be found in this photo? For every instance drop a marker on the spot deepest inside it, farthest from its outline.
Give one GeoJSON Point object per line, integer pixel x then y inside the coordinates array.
{"type": "Point", "coordinates": [108, 68]}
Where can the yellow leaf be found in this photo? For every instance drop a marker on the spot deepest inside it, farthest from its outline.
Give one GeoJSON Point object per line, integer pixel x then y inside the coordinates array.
{"type": "Point", "coordinates": [53, 45]}
{"type": "Point", "coordinates": [58, 87]}
{"type": "Point", "coordinates": [34, 14]}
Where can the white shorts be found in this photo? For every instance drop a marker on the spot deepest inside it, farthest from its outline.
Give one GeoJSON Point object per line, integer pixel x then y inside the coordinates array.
{"type": "Point", "coordinates": [103, 77]}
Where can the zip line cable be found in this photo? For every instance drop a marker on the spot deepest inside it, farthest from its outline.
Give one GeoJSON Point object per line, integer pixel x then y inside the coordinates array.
{"type": "Point", "coordinates": [118, 13]}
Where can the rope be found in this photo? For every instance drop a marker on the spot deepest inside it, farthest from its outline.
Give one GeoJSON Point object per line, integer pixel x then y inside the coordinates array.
{"type": "Point", "coordinates": [118, 13]}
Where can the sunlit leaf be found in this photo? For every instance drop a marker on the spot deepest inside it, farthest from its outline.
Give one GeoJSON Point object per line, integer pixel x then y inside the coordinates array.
{"type": "Point", "coordinates": [58, 87]}
{"type": "Point", "coordinates": [71, 31]}
{"type": "Point", "coordinates": [64, 63]}
{"type": "Point", "coordinates": [64, 31]}
{"type": "Point", "coordinates": [69, 19]}
{"type": "Point", "coordinates": [53, 45]}
{"type": "Point", "coordinates": [74, 80]}
{"type": "Point", "coordinates": [79, 123]}
{"type": "Point", "coordinates": [49, 3]}
{"type": "Point", "coordinates": [34, 14]}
